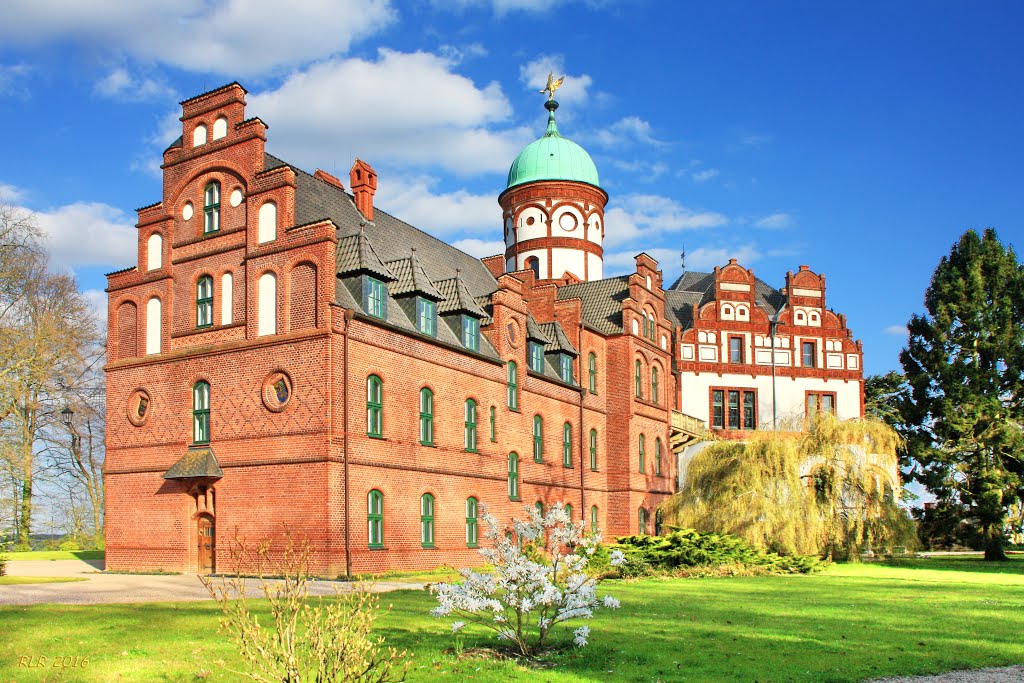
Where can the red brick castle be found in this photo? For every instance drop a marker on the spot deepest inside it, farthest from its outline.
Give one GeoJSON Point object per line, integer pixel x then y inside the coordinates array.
{"type": "Point", "coordinates": [288, 357]}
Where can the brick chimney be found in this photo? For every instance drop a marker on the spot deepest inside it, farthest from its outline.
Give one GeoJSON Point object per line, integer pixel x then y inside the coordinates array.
{"type": "Point", "coordinates": [363, 181]}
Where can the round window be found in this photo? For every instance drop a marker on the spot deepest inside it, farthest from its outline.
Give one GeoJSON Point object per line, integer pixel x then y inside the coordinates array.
{"type": "Point", "coordinates": [187, 211]}
{"type": "Point", "coordinates": [139, 407]}
{"type": "Point", "coordinates": [530, 220]}
{"type": "Point", "coordinates": [512, 333]}
{"type": "Point", "coordinates": [236, 197]}
{"type": "Point", "coordinates": [277, 391]}
{"type": "Point", "coordinates": [568, 221]}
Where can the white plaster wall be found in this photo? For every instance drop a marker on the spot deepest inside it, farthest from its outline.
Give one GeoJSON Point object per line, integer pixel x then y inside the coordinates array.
{"type": "Point", "coordinates": [596, 267]}
{"type": "Point", "coordinates": [567, 259]}
{"type": "Point", "coordinates": [695, 390]}
{"type": "Point", "coordinates": [154, 325]}
{"type": "Point", "coordinates": [539, 227]}
{"type": "Point", "coordinates": [567, 221]}
{"type": "Point", "coordinates": [542, 256]}
{"type": "Point", "coordinates": [594, 229]}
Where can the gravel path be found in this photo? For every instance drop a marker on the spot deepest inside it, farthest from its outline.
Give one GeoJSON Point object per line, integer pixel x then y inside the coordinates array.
{"type": "Point", "coordinates": [120, 588]}
{"type": "Point", "coordinates": [1010, 674]}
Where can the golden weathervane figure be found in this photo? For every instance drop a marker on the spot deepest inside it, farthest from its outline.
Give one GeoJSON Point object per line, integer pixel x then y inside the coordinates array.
{"type": "Point", "coordinates": [553, 85]}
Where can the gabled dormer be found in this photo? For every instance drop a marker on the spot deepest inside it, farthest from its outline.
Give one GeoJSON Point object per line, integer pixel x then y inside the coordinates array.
{"type": "Point", "coordinates": [460, 311]}
{"type": "Point", "coordinates": [361, 271]}
{"type": "Point", "coordinates": [805, 297]}
{"type": "Point", "coordinates": [413, 291]}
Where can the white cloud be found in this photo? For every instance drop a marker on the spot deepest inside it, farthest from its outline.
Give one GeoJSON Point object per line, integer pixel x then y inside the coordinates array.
{"type": "Point", "coordinates": [402, 108]}
{"type": "Point", "coordinates": [12, 79]}
{"type": "Point", "coordinates": [121, 85]}
{"type": "Point", "coordinates": [640, 217]}
{"type": "Point", "coordinates": [630, 129]}
{"type": "Point", "coordinates": [575, 89]}
{"type": "Point", "coordinates": [458, 54]}
{"type": "Point", "coordinates": [88, 234]}
{"type": "Point", "coordinates": [9, 193]}
{"type": "Point", "coordinates": [219, 36]}
{"type": "Point", "coordinates": [896, 330]}
{"type": "Point", "coordinates": [499, 7]}
{"type": "Point", "coordinates": [642, 170]}
{"type": "Point", "coordinates": [774, 221]}
{"type": "Point", "coordinates": [706, 258]}
{"type": "Point", "coordinates": [480, 248]}
{"type": "Point", "coordinates": [705, 175]}
{"type": "Point", "coordinates": [414, 201]}
{"type": "Point", "coordinates": [96, 299]}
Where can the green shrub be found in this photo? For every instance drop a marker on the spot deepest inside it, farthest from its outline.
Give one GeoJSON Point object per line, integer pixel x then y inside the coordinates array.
{"type": "Point", "coordinates": [3, 565]}
{"type": "Point", "coordinates": [683, 549]}
{"type": "Point", "coordinates": [70, 544]}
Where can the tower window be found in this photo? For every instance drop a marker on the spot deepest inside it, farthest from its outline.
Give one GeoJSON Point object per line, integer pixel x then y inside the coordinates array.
{"type": "Point", "coordinates": [204, 301]}
{"type": "Point", "coordinates": [211, 207]}
{"type": "Point", "coordinates": [201, 413]}
{"type": "Point", "coordinates": [533, 263]}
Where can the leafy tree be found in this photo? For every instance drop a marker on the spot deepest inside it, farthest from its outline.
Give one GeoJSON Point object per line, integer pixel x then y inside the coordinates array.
{"type": "Point", "coordinates": [964, 363]}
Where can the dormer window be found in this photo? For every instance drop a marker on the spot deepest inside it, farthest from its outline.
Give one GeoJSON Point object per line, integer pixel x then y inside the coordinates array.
{"type": "Point", "coordinates": [536, 356]}
{"type": "Point", "coordinates": [470, 333]}
{"type": "Point", "coordinates": [426, 316]}
{"type": "Point", "coordinates": [211, 207]}
{"type": "Point", "coordinates": [374, 297]}
{"type": "Point", "coordinates": [565, 367]}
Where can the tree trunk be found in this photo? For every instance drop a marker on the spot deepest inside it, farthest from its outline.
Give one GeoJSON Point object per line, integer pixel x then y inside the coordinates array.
{"type": "Point", "coordinates": [993, 544]}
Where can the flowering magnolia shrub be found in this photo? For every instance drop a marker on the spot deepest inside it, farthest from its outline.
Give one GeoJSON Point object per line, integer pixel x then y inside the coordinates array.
{"type": "Point", "coordinates": [538, 581]}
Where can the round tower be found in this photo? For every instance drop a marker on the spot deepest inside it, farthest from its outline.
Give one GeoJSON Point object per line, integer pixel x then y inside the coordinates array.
{"type": "Point", "coordinates": [553, 209]}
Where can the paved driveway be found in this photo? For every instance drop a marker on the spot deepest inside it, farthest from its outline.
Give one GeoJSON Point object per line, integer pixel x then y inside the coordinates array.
{"type": "Point", "coordinates": [100, 587]}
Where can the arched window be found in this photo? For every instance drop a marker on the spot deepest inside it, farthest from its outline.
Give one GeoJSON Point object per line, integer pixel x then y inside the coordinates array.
{"type": "Point", "coordinates": [427, 520]}
{"type": "Point", "coordinates": [641, 519]}
{"type": "Point", "coordinates": [201, 413]}
{"type": "Point", "coordinates": [593, 519]}
{"type": "Point", "coordinates": [471, 425]}
{"type": "Point", "coordinates": [643, 453]}
{"type": "Point", "coordinates": [220, 127]}
{"type": "Point", "coordinates": [592, 368]}
{"type": "Point", "coordinates": [494, 423]}
{"type": "Point", "coordinates": [532, 263]}
{"type": "Point", "coordinates": [204, 301]}
{"type": "Point", "coordinates": [657, 456]}
{"type": "Point", "coordinates": [426, 417]}
{"type": "Point", "coordinates": [154, 251]}
{"type": "Point", "coordinates": [539, 507]}
{"type": "Point", "coordinates": [513, 385]}
{"type": "Point", "coordinates": [593, 450]}
{"type": "Point", "coordinates": [513, 476]}
{"type": "Point", "coordinates": [375, 519]}
{"type": "Point", "coordinates": [266, 322]}
{"type": "Point", "coordinates": [654, 384]}
{"type": "Point", "coordinates": [538, 438]}
{"type": "Point", "coordinates": [657, 522]}
{"type": "Point", "coordinates": [567, 444]}
{"type": "Point", "coordinates": [472, 525]}
{"type": "Point", "coordinates": [154, 326]}
{"type": "Point", "coordinates": [568, 512]}
{"type": "Point", "coordinates": [374, 406]}
{"type": "Point", "coordinates": [266, 230]}
{"type": "Point", "coordinates": [211, 207]}
{"type": "Point", "coordinates": [226, 298]}
{"type": "Point", "coordinates": [638, 380]}
{"type": "Point", "coordinates": [199, 135]}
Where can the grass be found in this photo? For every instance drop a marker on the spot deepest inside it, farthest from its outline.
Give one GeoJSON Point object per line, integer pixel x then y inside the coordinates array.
{"type": "Point", "coordinates": [54, 555]}
{"type": "Point", "coordinates": [849, 623]}
{"type": "Point", "coordinates": [17, 580]}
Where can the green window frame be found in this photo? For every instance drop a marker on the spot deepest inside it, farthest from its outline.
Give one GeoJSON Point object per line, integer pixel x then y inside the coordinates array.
{"type": "Point", "coordinates": [592, 369]}
{"type": "Point", "coordinates": [201, 413]}
{"type": "Point", "coordinates": [472, 523]}
{"type": "Point", "coordinates": [594, 528]}
{"type": "Point", "coordinates": [513, 476]}
{"type": "Point", "coordinates": [641, 521]}
{"type": "Point", "coordinates": [717, 409]}
{"type": "Point", "coordinates": [643, 453]}
{"type": "Point", "coordinates": [535, 354]}
{"type": "Point", "coordinates": [470, 333]}
{"type": "Point", "coordinates": [375, 298]}
{"type": "Point", "coordinates": [638, 380]}
{"type": "Point", "coordinates": [374, 407]}
{"type": "Point", "coordinates": [654, 384]}
{"type": "Point", "coordinates": [375, 519]}
{"type": "Point", "coordinates": [470, 425]}
{"type": "Point", "coordinates": [657, 522]}
{"type": "Point", "coordinates": [427, 520]}
{"type": "Point", "coordinates": [567, 445]}
{"type": "Point", "coordinates": [539, 507]}
{"type": "Point", "coordinates": [426, 417]}
{"type": "Point", "coordinates": [204, 301]}
{"type": "Point", "coordinates": [565, 368]}
{"type": "Point", "coordinates": [657, 456]}
{"type": "Point", "coordinates": [593, 450]}
{"type": "Point", "coordinates": [568, 511]}
{"type": "Point", "coordinates": [538, 438]}
{"type": "Point", "coordinates": [513, 386]}
{"type": "Point", "coordinates": [494, 424]}
{"type": "Point", "coordinates": [426, 316]}
{"type": "Point", "coordinates": [211, 207]}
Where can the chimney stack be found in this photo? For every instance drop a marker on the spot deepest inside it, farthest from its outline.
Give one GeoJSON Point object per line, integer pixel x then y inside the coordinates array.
{"type": "Point", "coordinates": [363, 181]}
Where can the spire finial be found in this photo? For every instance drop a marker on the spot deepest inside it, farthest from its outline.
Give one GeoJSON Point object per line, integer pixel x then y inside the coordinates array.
{"type": "Point", "coordinates": [553, 85]}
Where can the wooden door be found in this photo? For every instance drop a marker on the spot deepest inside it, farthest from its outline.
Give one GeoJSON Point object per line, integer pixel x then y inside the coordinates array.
{"type": "Point", "coordinates": [207, 545]}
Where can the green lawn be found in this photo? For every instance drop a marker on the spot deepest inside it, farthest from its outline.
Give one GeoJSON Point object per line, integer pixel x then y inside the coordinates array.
{"type": "Point", "coordinates": [15, 580]}
{"type": "Point", "coordinates": [849, 623]}
{"type": "Point", "coordinates": [54, 555]}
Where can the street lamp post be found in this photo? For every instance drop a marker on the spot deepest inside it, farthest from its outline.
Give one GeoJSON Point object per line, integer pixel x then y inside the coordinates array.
{"type": "Point", "coordinates": [67, 416]}
{"type": "Point", "coordinates": [773, 323]}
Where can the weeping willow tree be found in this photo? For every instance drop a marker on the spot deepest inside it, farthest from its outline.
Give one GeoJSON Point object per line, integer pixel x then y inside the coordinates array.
{"type": "Point", "coordinates": [825, 490]}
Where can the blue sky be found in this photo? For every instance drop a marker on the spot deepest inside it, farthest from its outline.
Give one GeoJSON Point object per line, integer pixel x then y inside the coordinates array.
{"type": "Point", "coordinates": [861, 139]}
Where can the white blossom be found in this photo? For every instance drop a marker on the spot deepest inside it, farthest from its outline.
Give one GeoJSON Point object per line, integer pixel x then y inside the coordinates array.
{"type": "Point", "coordinates": [580, 636]}
{"type": "Point", "coordinates": [457, 626]}
{"type": "Point", "coordinates": [618, 558]}
{"type": "Point", "coordinates": [610, 602]}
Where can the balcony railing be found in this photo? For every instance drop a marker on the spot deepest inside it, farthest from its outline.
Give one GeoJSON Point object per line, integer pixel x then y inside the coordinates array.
{"type": "Point", "coordinates": [687, 429]}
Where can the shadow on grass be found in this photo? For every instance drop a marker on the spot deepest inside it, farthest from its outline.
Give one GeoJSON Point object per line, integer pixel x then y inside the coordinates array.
{"type": "Point", "coordinates": [973, 563]}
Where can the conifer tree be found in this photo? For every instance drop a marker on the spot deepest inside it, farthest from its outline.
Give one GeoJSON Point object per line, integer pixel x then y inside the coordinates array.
{"type": "Point", "coordinates": [964, 363]}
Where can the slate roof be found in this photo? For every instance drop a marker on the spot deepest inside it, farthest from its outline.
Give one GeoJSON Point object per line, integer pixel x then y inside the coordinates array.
{"type": "Point", "coordinates": [559, 341]}
{"type": "Point", "coordinates": [456, 298]}
{"type": "Point", "coordinates": [534, 332]}
{"type": "Point", "coordinates": [602, 302]}
{"type": "Point", "coordinates": [695, 287]}
{"type": "Point", "coordinates": [410, 279]}
{"type": "Point", "coordinates": [198, 461]}
{"type": "Point", "coordinates": [355, 255]}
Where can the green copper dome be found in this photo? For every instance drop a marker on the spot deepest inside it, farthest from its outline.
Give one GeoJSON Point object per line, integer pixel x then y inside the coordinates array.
{"type": "Point", "coordinates": [552, 158]}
